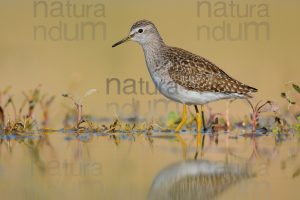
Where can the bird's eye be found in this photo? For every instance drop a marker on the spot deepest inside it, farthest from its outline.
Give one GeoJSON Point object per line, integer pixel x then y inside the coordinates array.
{"type": "Point", "coordinates": [140, 30]}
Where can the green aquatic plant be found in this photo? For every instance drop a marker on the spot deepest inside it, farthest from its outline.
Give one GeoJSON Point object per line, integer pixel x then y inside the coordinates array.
{"type": "Point", "coordinates": [112, 128]}
{"type": "Point", "coordinates": [276, 130]}
{"type": "Point", "coordinates": [23, 121]}
{"type": "Point", "coordinates": [292, 97]}
{"type": "Point", "coordinates": [26, 125]}
{"type": "Point", "coordinates": [33, 98]}
{"type": "Point", "coordinates": [19, 124]}
{"type": "Point", "coordinates": [296, 87]}
{"type": "Point", "coordinates": [280, 126]}
{"type": "Point", "coordinates": [119, 126]}
{"type": "Point", "coordinates": [289, 95]}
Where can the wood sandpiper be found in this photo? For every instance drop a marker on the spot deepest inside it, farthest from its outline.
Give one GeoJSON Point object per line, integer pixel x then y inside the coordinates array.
{"type": "Point", "coordinates": [182, 76]}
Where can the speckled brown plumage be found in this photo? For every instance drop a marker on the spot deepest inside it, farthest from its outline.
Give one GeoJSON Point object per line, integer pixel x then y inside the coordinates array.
{"type": "Point", "coordinates": [196, 73]}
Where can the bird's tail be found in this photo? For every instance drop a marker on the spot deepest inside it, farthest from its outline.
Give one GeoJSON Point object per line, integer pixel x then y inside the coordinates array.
{"type": "Point", "coordinates": [250, 90]}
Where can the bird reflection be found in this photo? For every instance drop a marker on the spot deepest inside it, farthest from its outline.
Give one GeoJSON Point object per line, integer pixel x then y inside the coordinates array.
{"type": "Point", "coordinates": [196, 180]}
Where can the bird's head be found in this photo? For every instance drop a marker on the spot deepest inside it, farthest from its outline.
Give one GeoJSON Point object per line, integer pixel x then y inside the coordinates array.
{"type": "Point", "coordinates": [143, 32]}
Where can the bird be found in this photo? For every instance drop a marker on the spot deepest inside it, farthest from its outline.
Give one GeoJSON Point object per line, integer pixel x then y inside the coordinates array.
{"type": "Point", "coordinates": [200, 179]}
{"type": "Point", "coordinates": [182, 76]}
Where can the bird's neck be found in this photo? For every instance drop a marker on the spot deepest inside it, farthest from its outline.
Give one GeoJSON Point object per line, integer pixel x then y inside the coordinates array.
{"type": "Point", "coordinates": [153, 45]}
{"type": "Point", "coordinates": [152, 53]}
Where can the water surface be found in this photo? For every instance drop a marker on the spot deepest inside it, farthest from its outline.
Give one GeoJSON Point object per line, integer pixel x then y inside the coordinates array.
{"type": "Point", "coordinates": [135, 166]}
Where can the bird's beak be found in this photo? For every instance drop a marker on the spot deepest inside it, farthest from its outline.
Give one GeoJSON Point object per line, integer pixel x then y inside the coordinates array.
{"type": "Point", "coordinates": [122, 41]}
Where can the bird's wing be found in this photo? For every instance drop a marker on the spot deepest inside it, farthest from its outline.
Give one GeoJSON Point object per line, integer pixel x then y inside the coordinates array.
{"type": "Point", "coordinates": [199, 74]}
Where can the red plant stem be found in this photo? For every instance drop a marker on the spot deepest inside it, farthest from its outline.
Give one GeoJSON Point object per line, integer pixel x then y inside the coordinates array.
{"type": "Point", "coordinates": [255, 152]}
{"type": "Point", "coordinates": [254, 121]}
{"type": "Point", "coordinates": [2, 116]}
{"type": "Point", "coordinates": [46, 117]}
{"type": "Point", "coordinates": [30, 112]}
{"type": "Point", "coordinates": [79, 113]}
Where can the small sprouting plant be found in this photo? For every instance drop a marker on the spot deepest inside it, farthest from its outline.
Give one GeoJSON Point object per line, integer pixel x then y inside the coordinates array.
{"type": "Point", "coordinates": [288, 98]}
{"type": "Point", "coordinates": [219, 121]}
{"type": "Point", "coordinates": [10, 101]}
{"type": "Point", "coordinates": [45, 103]}
{"type": "Point", "coordinates": [258, 109]}
{"type": "Point", "coordinates": [150, 128]}
{"type": "Point", "coordinates": [79, 108]}
{"type": "Point", "coordinates": [2, 115]}
{"type": "Point", "coordinates": [280, 126]}
{"type": "Point", "coordinates": [112, 128]}
{"type": "Point", "coordinates": [21, 123]}
{"type": "Point", "coordinates": [32, 99]}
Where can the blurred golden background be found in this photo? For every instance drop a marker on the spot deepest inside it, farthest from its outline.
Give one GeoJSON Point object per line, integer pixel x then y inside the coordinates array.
{"type": "Point", "coordinates": [29, 57]}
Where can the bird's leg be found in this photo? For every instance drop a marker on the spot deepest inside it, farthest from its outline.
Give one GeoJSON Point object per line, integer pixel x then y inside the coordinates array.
{"type": "Point", "coordinates": [183, 145]}
{"type": "Point", "coordinates": [198, 120]}
{"type": "Point", "coordinates": [178, 137]}
{"type": "Point", "coordinates": [203, 120]}
{"type": "Point", "coordinates": [183, 119]}
{"type": "Point", "coordinates": [200, 125]}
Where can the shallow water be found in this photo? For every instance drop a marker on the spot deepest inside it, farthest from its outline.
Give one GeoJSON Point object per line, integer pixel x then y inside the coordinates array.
{"type": "Point", "coordinates": [65, 166]}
